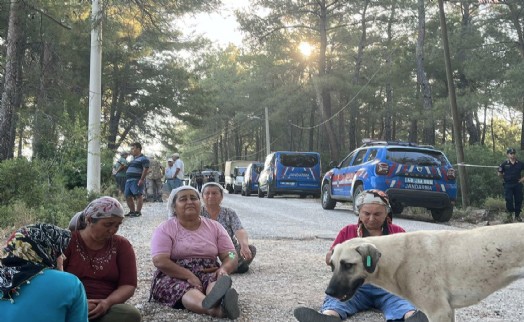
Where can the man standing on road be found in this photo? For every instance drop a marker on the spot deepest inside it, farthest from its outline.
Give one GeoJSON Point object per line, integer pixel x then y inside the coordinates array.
{"type": "Point", "coordinates": [154, 180]}
{"type": "Point", "coordinates": [170, 174]}
{"type": "Point", "coordinates": [510, 170]}
{"type": "Point", "coordinates": [179, 170]}
{"type": "Point", "coordinates": [136, 176]}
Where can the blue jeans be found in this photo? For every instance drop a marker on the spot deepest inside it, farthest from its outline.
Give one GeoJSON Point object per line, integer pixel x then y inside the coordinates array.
{"type": "Point", "coordinates": [178, 183]}
{"type": "Point", "coordinates": [369, 297]}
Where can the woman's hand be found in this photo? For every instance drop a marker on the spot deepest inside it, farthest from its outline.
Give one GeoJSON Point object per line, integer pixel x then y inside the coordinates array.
{"type": "Point", "coordinates": [97, 308]}
{"type": "Point", "coordinates": [193, 280]}
{"type": "Point", "coordinates": [245, 252]}
{"type": "Point", "coordinates": [220, 272]}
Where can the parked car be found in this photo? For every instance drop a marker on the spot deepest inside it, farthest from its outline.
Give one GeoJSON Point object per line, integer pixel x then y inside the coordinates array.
{"type": "Point", "coordinates": [230, 177]}
{"type": "Point", "coordinates": [250, 183]}
{"type": "Point", "coordinates": [412, 175]}
{"type": "Point", "coordinates": [290, 173]}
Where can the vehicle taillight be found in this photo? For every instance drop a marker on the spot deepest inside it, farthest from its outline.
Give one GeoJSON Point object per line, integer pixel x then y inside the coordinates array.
{"type": "Point", "coordinates": [451, 174]}
{"type": "Point", "coordinates": [382, 168]}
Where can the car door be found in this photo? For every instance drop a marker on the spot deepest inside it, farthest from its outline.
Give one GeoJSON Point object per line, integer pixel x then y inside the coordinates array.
{"type": "Point", "coordinates": [338, 179]}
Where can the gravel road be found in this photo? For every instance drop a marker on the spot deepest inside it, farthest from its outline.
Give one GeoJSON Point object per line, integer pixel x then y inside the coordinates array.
{"type": "Point", "coordinates": [287, 272]}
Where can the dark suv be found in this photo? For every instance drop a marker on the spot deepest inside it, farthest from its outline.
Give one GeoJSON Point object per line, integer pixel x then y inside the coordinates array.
{"type": "Point", "coordinates": [412, 175]}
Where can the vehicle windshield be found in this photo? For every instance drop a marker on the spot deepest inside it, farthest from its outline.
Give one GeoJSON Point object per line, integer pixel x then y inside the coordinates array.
{"type": "Point", "coordinates": [299, 160]}
{"type": "Point", "coordinates": [416, 157]}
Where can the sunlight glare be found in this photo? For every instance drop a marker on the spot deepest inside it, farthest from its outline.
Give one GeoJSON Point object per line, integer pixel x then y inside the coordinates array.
{"type": "Point", "coordinates": [305, 48]}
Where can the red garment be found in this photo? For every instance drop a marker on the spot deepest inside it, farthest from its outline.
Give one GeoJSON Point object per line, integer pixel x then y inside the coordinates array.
{"type": "Point", "coordinates": [101, 271]}
{"type": "Point", "coordinates": [350, 232]}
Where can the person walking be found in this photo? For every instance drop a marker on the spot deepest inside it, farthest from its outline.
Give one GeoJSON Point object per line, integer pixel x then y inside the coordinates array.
{"type": "Point", "coordinates": [170, 174]}
{"type": "Point", "coordinates": [510, 171]}
{"type": "Point", "coordinates": [136, 176]}
{"type": "Point", "coordinates": [179, 170]}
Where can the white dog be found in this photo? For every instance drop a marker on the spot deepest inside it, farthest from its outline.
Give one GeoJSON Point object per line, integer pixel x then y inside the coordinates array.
{"type": "Point", "coordinates": [438, 271]}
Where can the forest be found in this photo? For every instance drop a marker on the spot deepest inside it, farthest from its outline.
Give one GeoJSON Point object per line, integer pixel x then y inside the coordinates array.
{"type": "Point", "coordinates": [373, 69]}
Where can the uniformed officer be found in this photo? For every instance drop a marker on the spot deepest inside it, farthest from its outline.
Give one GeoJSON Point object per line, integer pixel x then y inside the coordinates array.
{"type": "Point", "coordinates": [510, 170]}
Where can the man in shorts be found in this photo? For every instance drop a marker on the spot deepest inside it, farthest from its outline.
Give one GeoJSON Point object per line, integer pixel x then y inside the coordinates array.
{"type": "Point", "coordinates": [135, 180]}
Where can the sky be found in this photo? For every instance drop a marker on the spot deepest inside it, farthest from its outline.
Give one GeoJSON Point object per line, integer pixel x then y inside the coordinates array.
{"type": "Point", "coordinates": [221, 26]}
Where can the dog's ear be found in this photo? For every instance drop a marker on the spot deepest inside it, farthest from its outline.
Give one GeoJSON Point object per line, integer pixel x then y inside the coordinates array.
{"type": "Point", "coordinates": [370, 256]}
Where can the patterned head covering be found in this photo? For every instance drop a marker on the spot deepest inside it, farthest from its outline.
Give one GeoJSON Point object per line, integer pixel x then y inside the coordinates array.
{"type": "Point", "coordinates": [103, 207]}
{"type": "Point", "coordinates": [372, 196]}
{"type": "Point", "coordinates": [378, 197]}
{"type": "Point", "coordinates": [172, 199]}
{"type": "Point", "coordinates": [28, 251]}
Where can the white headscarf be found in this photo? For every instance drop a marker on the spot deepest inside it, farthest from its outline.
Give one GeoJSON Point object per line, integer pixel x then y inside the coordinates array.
{"type": "Point", "coordinates": [172, 199]}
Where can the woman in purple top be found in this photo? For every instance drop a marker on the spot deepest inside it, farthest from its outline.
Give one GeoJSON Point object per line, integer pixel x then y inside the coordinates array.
{"type": "Point", "coordinates": [185, 250]}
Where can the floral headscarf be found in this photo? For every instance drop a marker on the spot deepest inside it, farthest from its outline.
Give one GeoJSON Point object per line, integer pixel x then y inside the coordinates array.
{"type": "Point", "coordinates": [29, 250]}
{"type": "Point", "coordinates": [103, 207]}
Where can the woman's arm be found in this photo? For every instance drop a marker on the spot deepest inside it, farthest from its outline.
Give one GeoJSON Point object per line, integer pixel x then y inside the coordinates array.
{"type": "Point", "coordinates": [242, 238]}
{"type": "Point", "coordinates": [164, 263]}
{"type": "Point", "coordinates": [229, 262]}
{"type": "Point", "coordinates": [99, 307]}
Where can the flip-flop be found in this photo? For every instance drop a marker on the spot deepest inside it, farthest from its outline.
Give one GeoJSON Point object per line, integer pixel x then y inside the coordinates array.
{"type": "Point", "coordinates": [217, 292]}
{"type": "Point", "coordinates": [230, 304]}
{"type": "Point", "coordinates": [305, 314]}
{"type": "Point", "coordinates": [419, 316]}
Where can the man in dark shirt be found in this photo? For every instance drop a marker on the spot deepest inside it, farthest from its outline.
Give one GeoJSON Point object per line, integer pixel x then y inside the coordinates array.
{"type": "Point", "coordinates": [510, 170]}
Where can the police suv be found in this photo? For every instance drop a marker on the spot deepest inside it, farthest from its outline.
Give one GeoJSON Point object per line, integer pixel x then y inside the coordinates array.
{"type": "Point", "coordinates": [412, 175]}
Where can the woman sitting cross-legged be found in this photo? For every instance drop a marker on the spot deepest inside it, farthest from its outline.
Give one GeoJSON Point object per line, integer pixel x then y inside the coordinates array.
{"type": "Point", "coordinates": [103, 261]}
{"type": "Point", "coordinates": [185, 250]}
{"type": "Point", "coordinates": [213, 194]}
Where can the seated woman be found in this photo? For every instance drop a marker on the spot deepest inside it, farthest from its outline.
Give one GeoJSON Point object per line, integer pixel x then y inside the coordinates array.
{"type": "Point", "coordinates": [185, 250]}
{"type": "Point", "coordinates": [374, 219]}
{"type": "Point", "coordinates": [213, 194]}
{"type": "Point", "coordinates": [31, 263]}
{"type": "Point", "coordinates": [103, 261]}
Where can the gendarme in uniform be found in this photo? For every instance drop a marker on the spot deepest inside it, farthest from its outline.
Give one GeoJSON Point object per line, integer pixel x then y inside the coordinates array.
{"type": "Point", "coordinates": [510, 170]}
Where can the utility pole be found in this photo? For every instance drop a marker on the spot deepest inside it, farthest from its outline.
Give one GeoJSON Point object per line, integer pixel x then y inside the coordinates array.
{"type": "Point", "coordinates": [459, 148]}
{"type": "Point", "coordinates": [95, 100]}
{"type": "Point", "coordinates": [268, 148]}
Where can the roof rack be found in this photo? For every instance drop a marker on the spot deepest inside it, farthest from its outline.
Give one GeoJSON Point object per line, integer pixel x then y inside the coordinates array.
{"type": "Point", "coordinates": [372, 142]}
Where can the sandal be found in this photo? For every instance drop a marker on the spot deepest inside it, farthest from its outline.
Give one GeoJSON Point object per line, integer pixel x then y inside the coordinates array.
{"type": "Point", "coordinates": [230, 304]}
{"type": "Point", "coordinates": [217, 292]}
{"type": "Point", "coordinates": [305, 314]}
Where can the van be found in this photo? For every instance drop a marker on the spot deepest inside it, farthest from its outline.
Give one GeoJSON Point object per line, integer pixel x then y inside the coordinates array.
{"type": "Point", "coordinates": [234, 174]}
{"type": "Point", "coordinates": [290, 173]}
{"type": "Point", "coordinates": [250, 183]}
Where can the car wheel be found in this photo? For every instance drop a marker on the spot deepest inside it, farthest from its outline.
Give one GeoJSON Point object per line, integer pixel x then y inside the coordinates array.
{"type": "Point", "coordinates": [442, 214]}
{"type": "Point", "coordinates": [260, 193]}
{"type": "Point", "coordinates": [327, 202]}
{"type": "Point", "coordinates": [358, 189]}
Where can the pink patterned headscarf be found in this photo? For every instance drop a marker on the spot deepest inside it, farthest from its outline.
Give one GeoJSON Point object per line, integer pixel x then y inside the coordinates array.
{"type": "Point", "coordinates": [103, 207]}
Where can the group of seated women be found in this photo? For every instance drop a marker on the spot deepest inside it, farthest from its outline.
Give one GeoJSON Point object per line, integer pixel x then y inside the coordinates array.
{"type": "Point", "coordinates": [88, 272]}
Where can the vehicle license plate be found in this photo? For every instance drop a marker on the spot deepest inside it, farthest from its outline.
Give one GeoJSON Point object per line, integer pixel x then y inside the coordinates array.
{"type": "Point", "coordinates": [419, 181]}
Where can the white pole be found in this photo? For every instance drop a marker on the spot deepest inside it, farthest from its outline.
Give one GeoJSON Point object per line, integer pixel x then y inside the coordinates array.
{"type": "Point", "coordinates": [95, 100]}
{"type": "Point", "coordinates": [268, 148]}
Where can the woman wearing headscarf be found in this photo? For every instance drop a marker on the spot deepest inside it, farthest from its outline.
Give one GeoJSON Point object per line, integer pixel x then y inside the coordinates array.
{"type": "Point", "coordinates": [213, 194]}
{"type": "Point", "coordinates": [374, 219]}
{"type": "Point", "coordinates": [103, 261]}
{"type": "Point", "coordinates": [185, 250]}
{"type": "Point", "coordinates": [31, 263]}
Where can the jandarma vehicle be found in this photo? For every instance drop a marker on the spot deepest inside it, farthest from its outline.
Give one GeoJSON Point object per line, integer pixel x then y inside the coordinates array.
{"type": "Point", "coordinates": [288, 172]}
{"type": "Point", "coordinates": [412, 175]}
{"type": "Point", "coordinates": [250, 183]}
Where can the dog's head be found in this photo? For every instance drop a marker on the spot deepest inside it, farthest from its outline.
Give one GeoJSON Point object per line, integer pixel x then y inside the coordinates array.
{"type": "Point", "coordinates": [352, 262]}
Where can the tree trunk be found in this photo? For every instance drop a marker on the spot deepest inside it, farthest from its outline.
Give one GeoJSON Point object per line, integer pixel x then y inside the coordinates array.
{"type": "Point", "coordinates": [9, 94]}
{"type": "Point", "coordinates": [323, 93]}
{"type": "Point", "coordinates": [422, 79]}
{"type": "Point", "coordinates": [388, 118]}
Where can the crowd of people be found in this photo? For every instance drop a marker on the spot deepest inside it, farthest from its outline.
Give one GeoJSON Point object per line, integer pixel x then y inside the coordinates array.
{"type": "Point", "coordinates": [93, 270]}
